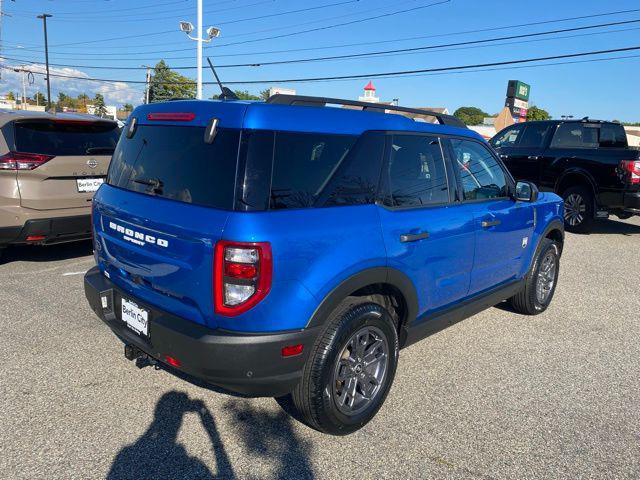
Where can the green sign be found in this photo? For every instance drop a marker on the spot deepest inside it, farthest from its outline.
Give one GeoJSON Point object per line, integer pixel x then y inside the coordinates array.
{"type": "Point", "coordinates": [519, 90]}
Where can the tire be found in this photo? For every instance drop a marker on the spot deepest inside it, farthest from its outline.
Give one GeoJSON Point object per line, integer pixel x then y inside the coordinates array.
{"type": "Point", "coordinates": [578, 209]}
{"type": "Point", "coordinates": [624, 215]}
{"type": "Point", "coordinates": [540, 282]}
{"type": "Point", "coordinates": [329, 396]}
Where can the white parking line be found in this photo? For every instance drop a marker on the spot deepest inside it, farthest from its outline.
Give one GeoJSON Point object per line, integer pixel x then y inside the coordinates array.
{"type": "Point", "coordinates": [68, 274]}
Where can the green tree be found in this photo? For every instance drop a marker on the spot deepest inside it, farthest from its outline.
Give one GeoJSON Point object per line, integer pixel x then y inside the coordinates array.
{"type": "Point", "coordinates": [11, 97]}
{"type": "Point", "coordinates": [168, 85]}
{"type": "Point", "coordinates": [245, 95]}
{"type": "Point", "coordinates": [535, 113]}
{"type": "Point", "coordinates": [100, 106]}
{"type": "Point", "coordinates": [40, 99]}
{"type": "Point", "coordinates": [265, 94]}
{"type": "Point", "coordinates": [470, 115]}
{"type": "Point", "coordinates": [127, 107]}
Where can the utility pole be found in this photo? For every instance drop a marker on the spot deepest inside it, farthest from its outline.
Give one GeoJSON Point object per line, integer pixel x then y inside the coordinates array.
{"type": "Point", "coordinates": [148, 87]}
{"type": "Point", "coordinates": [44, 17]}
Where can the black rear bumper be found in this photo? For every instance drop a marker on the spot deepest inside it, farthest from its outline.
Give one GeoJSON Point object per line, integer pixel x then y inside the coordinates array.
{"type": "Point", "coordinates": [48, 231]}
{"type": "Point", "coordinates": [250, 364]}
{"type": "Point", "coordinates": [632, 202]}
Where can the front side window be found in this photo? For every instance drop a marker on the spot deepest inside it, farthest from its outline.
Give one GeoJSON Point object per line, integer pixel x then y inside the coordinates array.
{"type": "Point", "coordinates": [534, 135]}
{"type": "Point", "coordinates": [417, 173]}
{"type": "Point", "coordinates": [508, 137]}
{"type": "Point", "coordinates": [303, 164]}
{"type": "Point", "coordinates": [575, 135]}
{"type": "Point", "coordinates": [481, 175]}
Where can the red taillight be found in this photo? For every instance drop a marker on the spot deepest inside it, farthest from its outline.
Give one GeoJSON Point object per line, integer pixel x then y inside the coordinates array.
{"type": "Point", "coordinates": [36, 238]}
{"type": "Point", "coordinates": [174, 362]}
{"type": "Point", "coordinates": [22, 161]}
{"type": "Point", "coordinates": [241, 277]}
{"type": "Point", "coordinates": [631, 170]}
{"type": "Point", "coordinates": [292, 350]}
{"type": "Point", "coordinates": [171, 116]}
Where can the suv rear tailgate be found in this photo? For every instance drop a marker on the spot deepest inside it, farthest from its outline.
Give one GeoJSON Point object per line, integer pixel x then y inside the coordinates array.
{"type": "Point", "coordinates": [159, 250]}
{"type": "Point", "coordinates": [55, 185]}
{"type": "Point", "coordinates": [77, 153]}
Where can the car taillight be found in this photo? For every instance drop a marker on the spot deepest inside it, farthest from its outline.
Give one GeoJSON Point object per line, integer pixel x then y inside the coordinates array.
{"type": "Point", "coordinates": [631, 170]}
{"type": "Point", "coordinates": [22, 161]}
{"type": "Point", "coordinates": [242, 276]}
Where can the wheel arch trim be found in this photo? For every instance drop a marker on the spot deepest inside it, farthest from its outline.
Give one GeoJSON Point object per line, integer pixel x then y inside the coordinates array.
{"type": "Point", "coordinates": [372, 276]}
{"type": "Point", "coordinates": [580, 172]}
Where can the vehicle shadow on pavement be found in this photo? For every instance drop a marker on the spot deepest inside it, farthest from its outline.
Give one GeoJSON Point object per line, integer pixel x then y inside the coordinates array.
{"type": "Point", "coordinates": [266, 436]}
{"type": "Point", "coordinates": [47, 253]}
{"type": "Point", "coordinates": [615, 227]}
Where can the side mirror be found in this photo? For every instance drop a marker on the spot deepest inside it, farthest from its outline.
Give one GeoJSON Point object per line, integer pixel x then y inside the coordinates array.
{"type": "Point", "coordinates": [526, 192]}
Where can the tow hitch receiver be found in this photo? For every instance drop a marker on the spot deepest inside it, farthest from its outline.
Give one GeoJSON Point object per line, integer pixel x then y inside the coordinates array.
{"type": "Point", "coordinates": [132, 352]}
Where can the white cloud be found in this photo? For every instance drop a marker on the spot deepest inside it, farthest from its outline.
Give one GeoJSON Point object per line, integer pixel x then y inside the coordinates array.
{"type": "Point", "coordinates": [115, 93]}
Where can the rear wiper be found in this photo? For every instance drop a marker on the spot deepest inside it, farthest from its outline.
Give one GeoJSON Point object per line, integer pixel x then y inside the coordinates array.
{"type": "Point", "coordinates": [100, 150]}
{"type": "Point", "coordinates": [155, 184]}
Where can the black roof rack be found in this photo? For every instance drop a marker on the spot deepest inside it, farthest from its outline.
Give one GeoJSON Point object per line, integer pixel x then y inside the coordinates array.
{"type": "Point", "coordinates": [281, 99]}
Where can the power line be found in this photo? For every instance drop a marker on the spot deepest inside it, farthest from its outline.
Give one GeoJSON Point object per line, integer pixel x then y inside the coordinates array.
{"type": "Point", "coordinates": [370, 75]}
{"type": "Point", "coordinates": [464, 32]}
{"type": "Point", "coordinates": [325, 27]}
{"type": "Point", "coordinates": [379, 52]}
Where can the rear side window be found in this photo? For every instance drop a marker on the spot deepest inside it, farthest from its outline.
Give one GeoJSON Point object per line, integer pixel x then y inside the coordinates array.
{"type": "Point", "coordinates": [534, 135]}
{"type": "Point", "coordinates": [613, 136]}
{"type": "Point", "coordinates": [303, 164]}
{"type": "Point", "coordinates": [63, 138]}
{"type": "Point", "coordinates": [575, 135]}
{"type": "Point", "coordinates": [417, 173]}
{"type": "Point", "coordinates": [508, 137]}
{"type": "Point", "coordinates": [176, 163]}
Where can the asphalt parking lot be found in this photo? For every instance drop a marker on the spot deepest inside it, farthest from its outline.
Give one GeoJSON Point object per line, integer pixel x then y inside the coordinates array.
{"type": "Point", "coordinates": [497, 396]}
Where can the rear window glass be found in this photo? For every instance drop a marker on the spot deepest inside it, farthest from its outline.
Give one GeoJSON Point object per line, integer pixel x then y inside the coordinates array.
{"type": "Point", "coordinates": [176, 163]}
{"type": "Point", "coordinates": [613, 136]}
{"type": "Point", "coordinates": [303, 164]}
{"type": "Point", "coordinates": [575, 135]}
{"type": "Point", "coordinates": [61, 138]}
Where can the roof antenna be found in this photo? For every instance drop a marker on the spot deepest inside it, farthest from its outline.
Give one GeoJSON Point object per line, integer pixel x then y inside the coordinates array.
{"type": "Point", "coordinates": [227, 94]}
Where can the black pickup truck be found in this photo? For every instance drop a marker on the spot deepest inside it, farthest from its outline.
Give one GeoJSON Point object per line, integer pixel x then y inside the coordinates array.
{"type": "Point", "coordinates": [587, 162]}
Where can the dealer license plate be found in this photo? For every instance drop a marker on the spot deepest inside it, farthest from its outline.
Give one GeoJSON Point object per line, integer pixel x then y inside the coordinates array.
{"type": "Point", "coordinates": [86, 185]}
{"type": "Point", "coordinates": [136, 318]}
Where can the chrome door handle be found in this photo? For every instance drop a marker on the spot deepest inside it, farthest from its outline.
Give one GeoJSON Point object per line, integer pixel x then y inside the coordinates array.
{"type": "Point", "coordinates": [413, 237]}
{"type": "Point", "coordinates": [492, 223]}
{"type": "Point", "coordinates": [533, 157]}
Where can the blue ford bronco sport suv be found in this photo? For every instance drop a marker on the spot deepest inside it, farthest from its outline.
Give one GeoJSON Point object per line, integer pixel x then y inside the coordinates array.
{"type": "Point", "coordinates": [289, 248]}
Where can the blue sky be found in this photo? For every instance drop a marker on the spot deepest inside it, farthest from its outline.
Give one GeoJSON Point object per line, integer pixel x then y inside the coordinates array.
{"type": "Point", "coordinates": [606, 89]}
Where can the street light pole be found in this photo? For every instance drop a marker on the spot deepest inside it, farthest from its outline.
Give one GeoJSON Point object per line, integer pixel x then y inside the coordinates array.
{"type": "Point", "coordinates": [199, 61]}
{"type": "Point", "coordinates": [44, 17]}
{"type": "Point", "coordinates": [212, 32]}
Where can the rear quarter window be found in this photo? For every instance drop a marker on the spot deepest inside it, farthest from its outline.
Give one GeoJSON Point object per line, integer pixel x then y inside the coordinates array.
{"type": "Point", "coordinates": [175, 163]}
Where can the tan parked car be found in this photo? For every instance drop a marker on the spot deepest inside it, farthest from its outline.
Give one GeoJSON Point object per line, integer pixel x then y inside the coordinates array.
{"type": "Point", "coordinates": [50, 167]}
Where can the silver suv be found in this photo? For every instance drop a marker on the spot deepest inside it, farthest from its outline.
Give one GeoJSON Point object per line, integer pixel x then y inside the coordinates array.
{"type": "Point", "coordinates": [50, 167]}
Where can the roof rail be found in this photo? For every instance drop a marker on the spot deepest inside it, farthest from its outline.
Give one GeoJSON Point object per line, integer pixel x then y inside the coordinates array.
{"type": "Point", "coordinates": [281, 99]}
